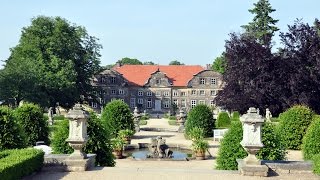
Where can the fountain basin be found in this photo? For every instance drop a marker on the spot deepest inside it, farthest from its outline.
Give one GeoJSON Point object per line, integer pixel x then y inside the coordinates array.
{"type": "Point", "coordinates": [178, 154]}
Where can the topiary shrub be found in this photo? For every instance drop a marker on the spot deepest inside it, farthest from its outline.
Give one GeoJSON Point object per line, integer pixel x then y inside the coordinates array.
{"type": "Point", "coordinates": [200, 116]}
{"type": "Point", "coordinates": [14, 164]}
{"type": "Point", "coordinates": [11, 134]}
{"type": "Point", "coordinates": [98, 143]}
{"type": "Point", "coordinates": [34, 124]}
{"type": "Point", "coordinates": [293, 125]}
{"type": "Point", "coordinates": [316, 163]}
{"type": "Point", "coordinates": [273, 147]}
{"type": "Point", "coordinates": [223, 120]}
{"type": "Point", "coordinates": [117, 116]}
{"type": "Point", "coordinates": [311, 141]}
{"type": "Point", "coordinates": [235, 116]}
{"type": "Point", "coordinates": [230, 148]}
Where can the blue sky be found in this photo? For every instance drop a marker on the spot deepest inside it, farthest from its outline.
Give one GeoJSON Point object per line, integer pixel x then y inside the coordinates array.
{"type": "Point", "coordinates": [191, 31]}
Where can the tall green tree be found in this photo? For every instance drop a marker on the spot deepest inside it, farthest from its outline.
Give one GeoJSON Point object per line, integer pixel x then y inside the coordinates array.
{"type": "Point", "coordinates": [130, 61]}
{"type": "Point", "coordinates": [60, 57]}
{"type": "Point", "coordinates": [176, 62]}
{"type": "Point", "coordinates": [220, 64]}
{"type": "Point", "coordinates": [148, 63]}
{"type": "Point", "coordinates": [262, 26]}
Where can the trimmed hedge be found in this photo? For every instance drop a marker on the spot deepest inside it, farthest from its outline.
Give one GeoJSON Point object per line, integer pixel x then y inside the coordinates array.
{"type": "Point", "coordinates": [117, 116]}
{"type": "Point", "coordinates": [311, 141]}
{"type": "Point", "coordinates": [14, 164]}
{"type": "Point", "coordinates": [316, 164]}
{"type": "Point", "coordinates": [11, 134]}
{"type": "Point", "coordinates": [200, 116]}
{"type": "Point", "coordinates": [293, 124]}
{"type": "Point", "coordinates": [223, 120]}
{"type": "Point", "coordinates": [32, 120]}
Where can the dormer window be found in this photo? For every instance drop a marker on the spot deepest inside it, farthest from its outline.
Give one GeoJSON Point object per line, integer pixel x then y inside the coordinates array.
{"type": "Point", "coordinates": [113, 80]}
{"type": "Point", "coordinates": [213, 81]}
{"type": "Point", "coordinates": [202, 81]}
{"type": "Point", "coordinates": [158, 81]}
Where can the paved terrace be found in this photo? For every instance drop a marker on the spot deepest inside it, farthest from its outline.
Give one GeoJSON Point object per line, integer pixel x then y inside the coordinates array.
{"type": "Point", "coordinates": [128, 169]}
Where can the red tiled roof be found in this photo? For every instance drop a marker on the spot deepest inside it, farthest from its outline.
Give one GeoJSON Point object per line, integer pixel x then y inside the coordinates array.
{"type": "Point", "coordinates": [139, 74]}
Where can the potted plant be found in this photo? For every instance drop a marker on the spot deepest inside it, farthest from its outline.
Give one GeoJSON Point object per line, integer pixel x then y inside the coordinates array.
{"type": "Point", "coordinates": [126, 135]}
{"type": "Point", "coordinates": [117, 147]}
{"type": "Point", "coordinates": [199, 147]}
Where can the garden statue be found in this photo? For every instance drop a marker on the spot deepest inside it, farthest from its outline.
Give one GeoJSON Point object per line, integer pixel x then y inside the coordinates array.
{"type": "Point", "coordinates": [159, 149]}
{"type": "Point", "coordinates": [181, 119]}
{"type": "Point", "coordinates": [268, 115]}
{"type": "Point", "coordinates": [50, 116]}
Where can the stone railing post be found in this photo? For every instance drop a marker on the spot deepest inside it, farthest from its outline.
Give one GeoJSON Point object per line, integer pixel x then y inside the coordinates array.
{"type": "Point", "coordinates": [77, 130]}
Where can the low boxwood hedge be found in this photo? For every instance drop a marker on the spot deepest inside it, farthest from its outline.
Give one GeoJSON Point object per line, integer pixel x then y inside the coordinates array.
{"type": "Point", "coordinates": [16, 163]}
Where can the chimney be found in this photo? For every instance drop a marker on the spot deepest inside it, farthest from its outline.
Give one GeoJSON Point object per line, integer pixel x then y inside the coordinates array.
{"type": "Point", "coordinates": [208, 66]}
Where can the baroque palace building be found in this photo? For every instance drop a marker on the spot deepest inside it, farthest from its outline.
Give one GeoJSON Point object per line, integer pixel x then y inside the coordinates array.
{"type": "Point", "coordinates": [154, 87]}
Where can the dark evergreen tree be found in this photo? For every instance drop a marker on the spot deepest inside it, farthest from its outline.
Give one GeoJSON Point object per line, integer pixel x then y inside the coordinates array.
{"type": "Point", "coordinates": [262, 26]}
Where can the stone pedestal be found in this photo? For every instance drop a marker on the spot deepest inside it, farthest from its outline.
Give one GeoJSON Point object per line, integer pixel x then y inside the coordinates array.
{"type": "Point", "coordinates": [181, 119]}
{"type": "Point", "coordinates": [251, 142]}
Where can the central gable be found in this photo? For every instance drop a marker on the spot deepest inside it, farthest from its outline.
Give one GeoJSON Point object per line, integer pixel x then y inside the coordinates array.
{"type": "Point", "coordinates": [139, 75]}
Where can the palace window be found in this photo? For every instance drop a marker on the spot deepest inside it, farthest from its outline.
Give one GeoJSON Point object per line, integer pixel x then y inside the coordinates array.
{"type": "Point", "coordinates": [212, 103]}
{"type": "Point", "coordinates": [193, 103]}
{"type": "Point", "coordinates": [113, 91]}
{"type": "Point", "coordinates": [213, 81]}
{"type": "Point", "coordinates": [175, 101]}
{"type": "Point", "coordinates": [94, 105]}
{"type": "Point", "coordinates": [149, 93]}
{"type": "Point", "coordinates": [132, 102]}
{"type": "Point", "coordinates": [140, 93]}
{"type": "Point", "coordinates": [183, 94]}
{"type": "Point", "coordinates": [213, 92]}
{"type": "Point", "coordinates": [113, 80]}
{"type": "Point", "coordinates": [158, 93]}
{"type": "Point", "coordinates": [166, 93]}
{"type": "Point", "coordinates": [202, 92]}
{"type": "Point", "coordinates": [202, 81]}
{"type": "Point", "coordinates": [140, 101]}
{"type": "Point", "coordinates": [202, 102]}
{"type": "Point", "coordinates": [193, 92]}
{"type": "Point", "coordinates": [183, 103]}
{"type": "Point", "coordinates": [175, 93]}
{"type": "Point", "coordinates": [121, 91]}
{"type": "Point", "coordinates": [149, 103]}
{"type": "Point", "coordinates": [166, 103]}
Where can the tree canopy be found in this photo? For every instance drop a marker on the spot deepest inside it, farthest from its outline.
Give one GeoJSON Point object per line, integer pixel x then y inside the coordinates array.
{"type": "Point", "coordinates": [262, 26]}
{"type": "Point", "coordinates": [257, 77]}
{"type": "Point", "coordinates": [127, 60]}
{"type": "Point", "coordinates": [53, 62]}
{"type": "Point", "coordinates": [220, 64]}
{"type": "Point", "coordinates": [176, 62]}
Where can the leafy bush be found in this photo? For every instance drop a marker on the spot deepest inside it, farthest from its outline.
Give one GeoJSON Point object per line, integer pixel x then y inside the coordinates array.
{"type": "Point", "coordinates": [316, 163]}
{"type": "Point", "coordinates": [235, 116]}
{"type": "Point", "coordinates": [11, 134]}
{"type": "Point", "coordinates": [200, 116]}
{"type": "Point", "coordinates": [98, 143]}
{"type": "Point", "coordinates": [199, 145]}
{"type": "Point", "coordinates": [14, 164]}
{"type": "Point", "coordinates": [173, 122]}
{"type": "Point", "coordinates": [293, 125]}
{"type": "Point", "coordinates": [126, 133]}
{"type": "Point", "coordinates": [34, 124]}
{"type": "Point", "coordinates": [143, 122]}
{"type": "Point", "coordinates": [230, 148]}
{"type": "Point", "coordinates": [172, 118]}
{"type": "Point", "coordinates": [145, 117]}
{"type": "Point", "coordinates": [196, 133]}
{"type": "Point", "coordinates": [311, 141]}
{"type": "Point", "coordinates": [59, 144]}
{"type": "Point", "coordinates": [117, 116]}
{"type": "Point", "coordinates": [223, 120]}
{"type": "Point", "coordinates": [273, 147]}
{"type": "Point", "coordinates": [59, 117]}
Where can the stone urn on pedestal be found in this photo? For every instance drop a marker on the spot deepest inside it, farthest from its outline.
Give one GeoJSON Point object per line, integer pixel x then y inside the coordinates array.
{"type": "Point", "coordinates": [251, 142]}
{"type": "Point", "coordinates": [136, 119]}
